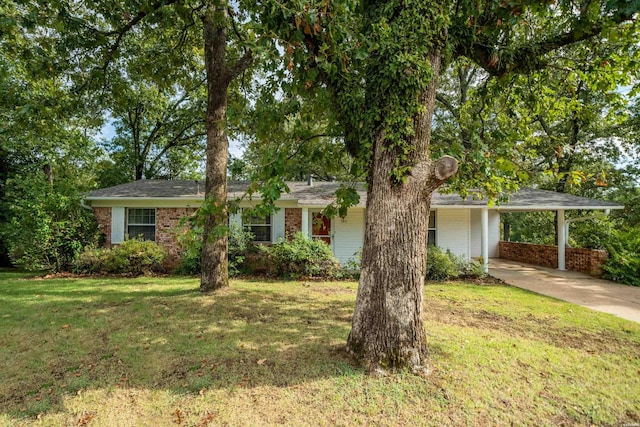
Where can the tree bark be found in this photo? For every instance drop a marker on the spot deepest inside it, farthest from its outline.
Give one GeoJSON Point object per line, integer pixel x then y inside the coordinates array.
{"type": "Point", "coordinates": [215, 273]}
{"type": "Point", "coordinates": [387, 328]}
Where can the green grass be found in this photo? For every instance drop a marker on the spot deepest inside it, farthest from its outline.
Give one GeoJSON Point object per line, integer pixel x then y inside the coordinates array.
{"type": "Point", "coordinates": [154, 351]}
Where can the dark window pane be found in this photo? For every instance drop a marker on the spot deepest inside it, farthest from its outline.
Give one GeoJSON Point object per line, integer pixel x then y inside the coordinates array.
{"type": "Point", "coordinates": [432, 238]}
{"type": "Point", "coordinates": [145, 232]}
{"type": "Point", "coordinates": [432, 219]}
{"type": "Point", "coordinates": [262, 233]}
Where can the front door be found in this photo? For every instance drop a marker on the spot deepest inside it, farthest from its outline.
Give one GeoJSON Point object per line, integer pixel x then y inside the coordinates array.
{"type": "Point", "coordinates": [321, 227]}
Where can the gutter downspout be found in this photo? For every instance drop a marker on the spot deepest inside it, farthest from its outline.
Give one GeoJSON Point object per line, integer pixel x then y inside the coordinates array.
{"type": "Point", "coordinates": [87, 207]}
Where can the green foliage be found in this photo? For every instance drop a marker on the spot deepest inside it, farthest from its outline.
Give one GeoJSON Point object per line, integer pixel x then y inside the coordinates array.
{"type": "Point", "coordinates": [444, 265]}
{"type": "Point", "coordinates": [132, 256]}
{"type": "Point", "coordinates": [240, 243]}
{"type": "Point", "coordinates": [539, 228]}
{"type": "Point", "coordinates": [623, 264]}
{"type": "Point", "coordinates": [301, 257]}
{"type": "Point", "coordinates": [190, 243]}
{"type": "Point", "coordinates": [592, 234]}
{"type": "Point", "coordinates": [476, 269]}
{"type": "Point", "coordinates": [47, 227]}
{"type": "Point", "coordinates": [345, 198]}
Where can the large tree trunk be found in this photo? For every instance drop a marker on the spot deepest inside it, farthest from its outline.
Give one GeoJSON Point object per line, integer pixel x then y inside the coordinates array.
{"type": "Point", "coordinates": [215, 273]}
{"type": "Point", "coordinates": [215, 266]}
{"type": "Point", "coordinates": [387, 328]}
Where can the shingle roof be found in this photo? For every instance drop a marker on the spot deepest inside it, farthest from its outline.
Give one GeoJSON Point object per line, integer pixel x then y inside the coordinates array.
{"type": "Point", "coordinates": [322, 193]}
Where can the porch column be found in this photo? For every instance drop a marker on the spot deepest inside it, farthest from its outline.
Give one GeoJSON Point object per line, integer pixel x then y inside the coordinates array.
{"type": "Point", "coordinates": [484, 248]}
{"type": "Point", "coordinates": [561, 240]}
{"type": "Point", "coordinates": [305, 221]}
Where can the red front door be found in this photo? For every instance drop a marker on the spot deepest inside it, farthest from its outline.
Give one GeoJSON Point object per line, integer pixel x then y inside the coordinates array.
{"type": "Point", "coordinates": [321, 227]}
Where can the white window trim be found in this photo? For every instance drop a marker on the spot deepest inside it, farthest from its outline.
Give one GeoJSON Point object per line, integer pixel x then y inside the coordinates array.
{"type": "Point", "coordinates": [247, 226]}
{"type": "Point", "coordinates": [155, 227]}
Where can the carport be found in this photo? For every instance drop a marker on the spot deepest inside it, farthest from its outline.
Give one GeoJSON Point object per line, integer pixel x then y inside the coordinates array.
{"type": "Point", "coordinates": [533, 200]}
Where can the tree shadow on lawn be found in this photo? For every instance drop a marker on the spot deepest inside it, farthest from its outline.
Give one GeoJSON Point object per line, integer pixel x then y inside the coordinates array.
{"type": "Point", "coordinates": [56, 342]}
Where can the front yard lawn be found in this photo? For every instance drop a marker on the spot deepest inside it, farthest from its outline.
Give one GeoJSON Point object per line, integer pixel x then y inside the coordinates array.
{"type": "Point", "coordinates": [154, 351]}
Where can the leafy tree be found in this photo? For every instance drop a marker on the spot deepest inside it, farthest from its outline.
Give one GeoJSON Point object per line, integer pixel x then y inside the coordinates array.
{"type": "Point", "coordinates": [47, 227]}
{"type": "Point", "coordinates": [292, 138]}
{"type": "Point", "coordinates": [46, 149]}
{"type": "Point", "coordinates": [380, 61]}
{"type": "Point", "coordinates": [93, 44]}
{"type": "Point", "coordinates": [159, 133]}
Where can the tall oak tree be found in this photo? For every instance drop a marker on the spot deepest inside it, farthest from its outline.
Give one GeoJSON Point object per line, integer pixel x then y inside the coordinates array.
{"type": "Point", "coordinates": [381, 61]}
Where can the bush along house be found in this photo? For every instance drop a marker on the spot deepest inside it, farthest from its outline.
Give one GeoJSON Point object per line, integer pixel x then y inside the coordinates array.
{"type": "Point", "coordinates": [469, 228]}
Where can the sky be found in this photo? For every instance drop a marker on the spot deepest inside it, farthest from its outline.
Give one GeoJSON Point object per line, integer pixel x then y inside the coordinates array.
{"type": "Point", "coordinates": [108, 131]}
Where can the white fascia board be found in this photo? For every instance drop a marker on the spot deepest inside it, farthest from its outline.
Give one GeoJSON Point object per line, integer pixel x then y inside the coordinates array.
{"type": "Point", "coordinates": [172, 202]}
{"type": "Point", "coordinates": [525, 208]}
{"type": "Point", "coordinates": [147, 202]}
{"type": "Point", "coordinates": [553, 208]}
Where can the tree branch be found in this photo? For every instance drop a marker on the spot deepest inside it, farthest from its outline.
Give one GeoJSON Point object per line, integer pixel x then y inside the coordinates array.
{"type": "Point", "coordinates": [120, 33]}
{"type": "Point", "coordinates": [240, 65]}
{"type": "Point", "coordinates": [530, 57]}
{"type": "Point", "coordinates": [448, 105]}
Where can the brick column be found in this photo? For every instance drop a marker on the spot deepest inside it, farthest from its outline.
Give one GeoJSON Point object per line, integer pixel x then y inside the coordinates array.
{"type": "Point", "coordinates": [103, 218]}
{"type": "Point", "coordinates": [292, 221]}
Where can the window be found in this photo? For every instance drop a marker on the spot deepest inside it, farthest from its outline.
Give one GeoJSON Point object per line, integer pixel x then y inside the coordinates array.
{"type": "Point", "coordinates": [432, 229]}
{"type": "Point", "coordinates": [141, 223]}
{"type": "Point", "coordinates": [259, 227]}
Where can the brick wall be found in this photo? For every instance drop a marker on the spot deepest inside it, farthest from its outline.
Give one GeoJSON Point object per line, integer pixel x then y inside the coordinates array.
{"type": "Point", "coordinates": [542, 255]}
{"type": "Point", "coordinates": [103, 218]}
{"type": "Point", "coordinates": [292, 221]}
{"type": "Point", "coordinates": [586, 260]}
{"type": "Point", "coordinates": [167, 230]}
{"type": "Point", "coordinates": [576, 259]}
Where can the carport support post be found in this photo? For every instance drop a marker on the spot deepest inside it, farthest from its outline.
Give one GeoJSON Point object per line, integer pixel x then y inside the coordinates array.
{"type": "Point", "coordinates": [562, 243]}
{"type": "Point", "coordinates": [484, 249]}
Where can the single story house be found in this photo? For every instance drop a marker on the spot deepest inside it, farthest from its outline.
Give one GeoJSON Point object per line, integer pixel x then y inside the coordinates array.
{"type": "Point", "coordinates": [470, 228]}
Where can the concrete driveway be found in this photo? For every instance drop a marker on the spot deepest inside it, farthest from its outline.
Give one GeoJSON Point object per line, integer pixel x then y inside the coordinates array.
{"type": "Point", "coordinates": [577, 288]}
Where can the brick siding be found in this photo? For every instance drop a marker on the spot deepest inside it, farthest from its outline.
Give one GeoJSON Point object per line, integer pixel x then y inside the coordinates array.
{"type": "Point", "coordinates": [103, 218]}
{"type": "Point", "coordinates": [167, 230]}
{"type": "Point", "coordinates": [586, 260]}
{"type": "Point", "coordinates": [292, 221]}
{"type": "Point", "coordinates": [576, 259]}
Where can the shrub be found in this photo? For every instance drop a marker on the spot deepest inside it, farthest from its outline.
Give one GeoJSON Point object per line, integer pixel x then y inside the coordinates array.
{"type": "Point", "coordinates": [444, 265]}
{"type": "Point", "coordinates": [475, 269]}
{"type": "Point", "coordinates": [133, 256]}
{"type": "Point", "coordinates": [623, 264]}
{"type": "Point", "coordinates": [240, 242]}
{"type": "Point", "coordinates": [190, 243]}
{"type": "Point", "coordinates": [351, 269]}
{"type": "Point", "coordinates": [45, 227]}
{"type": "Point", "coordinates": [301, 256]}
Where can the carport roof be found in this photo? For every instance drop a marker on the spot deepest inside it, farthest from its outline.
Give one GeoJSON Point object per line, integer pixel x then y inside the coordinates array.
{"type": "Point", "coordinates": [322, 193]}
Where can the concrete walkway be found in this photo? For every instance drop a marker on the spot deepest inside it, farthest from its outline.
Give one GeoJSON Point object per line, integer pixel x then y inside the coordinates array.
{"type": "Point", "coordinates": [578, 288]}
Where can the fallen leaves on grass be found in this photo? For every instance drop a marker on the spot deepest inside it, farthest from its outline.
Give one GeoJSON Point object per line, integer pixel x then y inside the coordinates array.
{"type": "Point", "coordinates": [85, 419]}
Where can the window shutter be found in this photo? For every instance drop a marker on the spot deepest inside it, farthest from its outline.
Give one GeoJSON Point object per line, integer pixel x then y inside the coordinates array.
{"type": "Point", "coordinates": [117, 225]}
{"type": "Point", "coordinates": [278, 225]}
